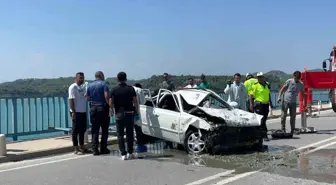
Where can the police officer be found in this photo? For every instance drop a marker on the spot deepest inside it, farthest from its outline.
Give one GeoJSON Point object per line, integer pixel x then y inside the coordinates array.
{"type": "Point", "coordinates": [124, 104]}
{"type": "Point", "coordinates": [261, 93]}
{"type": "Point", "coordinates": [250, 80]}
{"type": "Point", "coordinates": [98, 95]}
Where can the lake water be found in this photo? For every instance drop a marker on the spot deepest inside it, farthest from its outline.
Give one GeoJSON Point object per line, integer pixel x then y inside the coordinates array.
{"type": "Point", "coordinates": [34, 116]}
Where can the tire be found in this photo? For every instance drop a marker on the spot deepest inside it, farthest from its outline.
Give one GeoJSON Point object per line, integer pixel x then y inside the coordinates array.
{"type": "Point", "coordinates": [332, 99]}
{"type": "Point", "coordinates": [333, 105]}
{"type": "Point", "coordinates": [192, 137]}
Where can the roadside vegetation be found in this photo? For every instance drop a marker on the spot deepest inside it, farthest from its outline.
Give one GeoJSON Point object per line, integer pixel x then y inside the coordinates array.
{"type": "Point", "coordinates": [59, 86]}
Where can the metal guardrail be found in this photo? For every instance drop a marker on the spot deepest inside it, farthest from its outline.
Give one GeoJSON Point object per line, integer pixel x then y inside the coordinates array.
{"type": "Point", "coordinates": [33, 117]}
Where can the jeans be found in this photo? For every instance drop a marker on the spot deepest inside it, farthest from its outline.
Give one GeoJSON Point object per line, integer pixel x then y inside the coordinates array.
{"type": "Point", "coordinates": [292, 113]}
{"type": "Point", "coordinates": [99, 115]}
{"type": "Point", "coordinates": [79, 126]}
{"type": "Point", "coordinates": [125, 121]}
{"type": "Point", "coordinates": [139, 136]}
{"type": "Point", "coordinates": [262, 109]}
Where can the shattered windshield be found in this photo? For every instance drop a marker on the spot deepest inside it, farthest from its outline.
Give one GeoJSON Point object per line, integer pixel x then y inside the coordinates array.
{"type": "Point", "coordinates": [215, 102]}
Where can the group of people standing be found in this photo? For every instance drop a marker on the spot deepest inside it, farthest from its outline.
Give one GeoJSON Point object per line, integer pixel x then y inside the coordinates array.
{"type": "Point", "coordinates": [169, 85]}
{"type": "Point", "coordinates": [121, 102]}
{"type": "Point", "coordinates": [254, 95]}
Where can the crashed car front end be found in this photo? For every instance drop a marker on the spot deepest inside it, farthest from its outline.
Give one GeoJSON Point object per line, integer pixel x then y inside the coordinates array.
{"type": "Point", "coordinates": [236, 129]}
{"type": "Point", "coordinates": [223, 137]}
{"type": "Point", "coordinates": [227, 127]}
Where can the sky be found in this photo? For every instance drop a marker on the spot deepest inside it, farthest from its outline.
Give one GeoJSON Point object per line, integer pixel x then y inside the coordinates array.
{"type": "Point", "coordinates": [57, 38]}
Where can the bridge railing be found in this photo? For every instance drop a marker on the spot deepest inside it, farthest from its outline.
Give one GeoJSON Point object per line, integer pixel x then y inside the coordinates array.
{"type": "Point", "coordinates": [27, 118]}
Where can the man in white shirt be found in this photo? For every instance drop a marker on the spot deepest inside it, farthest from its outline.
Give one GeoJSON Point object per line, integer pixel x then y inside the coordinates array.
{"type": "Point", "coordinates": [237, 92]}
{"type": "Point", "coordinates": [78, 109]}
{"type": "Point", "coordinates": [191, 84]}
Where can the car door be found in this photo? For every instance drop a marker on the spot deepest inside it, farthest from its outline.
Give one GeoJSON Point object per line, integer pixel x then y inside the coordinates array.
{"type": "Point", "coordinates": [149, 124]}
{"type": "Point", "coordinates": [164, 123]}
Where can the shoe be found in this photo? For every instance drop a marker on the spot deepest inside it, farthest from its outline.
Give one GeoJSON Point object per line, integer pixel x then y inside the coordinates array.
{"type": "Point", "coordinates": [141, 148]}
{"type": "Point", "coordinates": [123, 157]}
{"type": "Point", "coordinates": [83, 149]}
{"type": "Point", "coordinates": [105, 151]}
{"type": "Point", "coordinates": [96, 152]}
{"type": "Point", "coordinates": [78, 151]}
{"type": "Point", "coordinates": [130, 156]}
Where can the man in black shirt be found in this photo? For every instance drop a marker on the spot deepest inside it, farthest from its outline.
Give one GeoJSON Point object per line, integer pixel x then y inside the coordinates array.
{"type": "Point", "coordinates": [125, 104]}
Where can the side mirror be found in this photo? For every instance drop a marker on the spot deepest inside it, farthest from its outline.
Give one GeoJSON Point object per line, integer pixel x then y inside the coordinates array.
{"type": "Point", "coordinates": [324, 65]}
{"type": "Point", "coordinates": [233, 104]}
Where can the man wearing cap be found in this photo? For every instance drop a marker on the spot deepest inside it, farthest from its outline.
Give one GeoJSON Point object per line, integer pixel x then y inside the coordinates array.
{"type": "Point", "coordinates": [261, 93]}
{"type": "Point", "coordinates": [292, 87]}
{"type": "Point", "coordinates": [250, 80]}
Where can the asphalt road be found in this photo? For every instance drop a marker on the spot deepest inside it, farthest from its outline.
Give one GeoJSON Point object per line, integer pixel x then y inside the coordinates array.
{"type": "Point", "coordinates": [281, 164]}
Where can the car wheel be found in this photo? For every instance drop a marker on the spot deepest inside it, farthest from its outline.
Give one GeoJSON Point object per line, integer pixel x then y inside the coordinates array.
{"type": "Point", "coordinates": [194, 144]}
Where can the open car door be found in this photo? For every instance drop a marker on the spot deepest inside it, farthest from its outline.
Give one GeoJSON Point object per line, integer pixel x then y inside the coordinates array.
{"type": "Point", "coordinates": [165, 116]}
{"type": "Point", "coordinates": [147, 115]}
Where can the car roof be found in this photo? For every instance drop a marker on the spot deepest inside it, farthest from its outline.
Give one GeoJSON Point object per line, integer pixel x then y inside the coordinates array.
{"type": "Point", "coordinates": [193, 96]}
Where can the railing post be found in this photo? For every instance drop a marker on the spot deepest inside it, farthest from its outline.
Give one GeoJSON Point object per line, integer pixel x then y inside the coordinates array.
{"type": "Point", "coordinates": [66, 112]}
{"type": "Point", "coordinates": [86, 135]}
{"type": "Point", "coordinates": [15, 118]}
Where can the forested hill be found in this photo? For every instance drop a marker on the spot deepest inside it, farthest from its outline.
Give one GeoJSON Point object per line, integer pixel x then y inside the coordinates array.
{"type": "Point", "coordinates": [59, 86]}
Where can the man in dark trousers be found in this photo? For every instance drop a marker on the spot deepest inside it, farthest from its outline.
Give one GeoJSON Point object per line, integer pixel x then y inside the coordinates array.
{"type": "Point", "coordinates": [78, 113]}
{"type": "Point", "coordinates": [141, 147]}
{"type": "Point", "coordinates": [124, 104]}
{"type": "Point", "coordinates": [98, 95]}
{"type": "Point", "coordinates": [260, 100]}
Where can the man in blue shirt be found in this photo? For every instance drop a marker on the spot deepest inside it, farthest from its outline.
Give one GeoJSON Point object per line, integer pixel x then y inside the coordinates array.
{"type": "Point", "coordinates": [98, 96]}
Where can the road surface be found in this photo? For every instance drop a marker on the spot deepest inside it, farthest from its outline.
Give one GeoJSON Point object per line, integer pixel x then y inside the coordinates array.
{"type": "Point", "coordinates": [281, 164]}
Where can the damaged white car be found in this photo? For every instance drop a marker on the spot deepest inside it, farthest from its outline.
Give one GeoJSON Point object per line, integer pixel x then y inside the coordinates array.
{"type": "Point", "coordinates": [200, 120]}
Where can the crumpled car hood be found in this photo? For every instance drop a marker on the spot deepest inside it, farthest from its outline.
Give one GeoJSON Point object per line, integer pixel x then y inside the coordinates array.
{"type": "Point", "coordinates": [235, 117]}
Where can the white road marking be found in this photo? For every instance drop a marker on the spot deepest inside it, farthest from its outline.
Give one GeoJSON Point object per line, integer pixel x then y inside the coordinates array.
{"type": "Point", "coordinates": [313, 144]}
{"type": "Point", "coordinates": [240, 176]}
{"type": "Point", "coordinates": [37, 160]}
{"type": "Point", "coordinates": [320, 148]}
{"type": "Point", "coordinates": [234, 178]}
{"type": "Point", "coordinates": [43, 163]}
{"type": "Point", "coordinates": [210, 178]}
{"type": "Point", "coordinates": [276, 120]}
